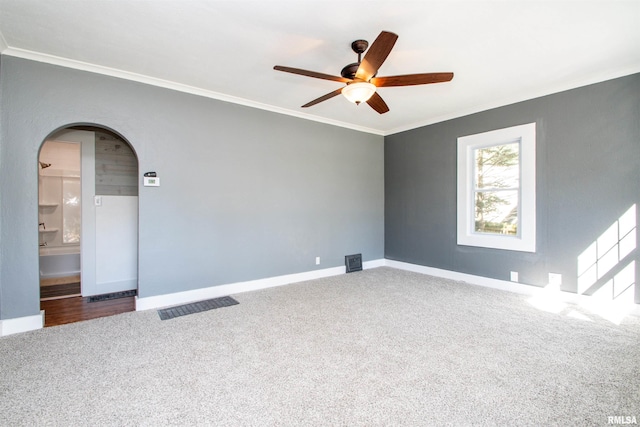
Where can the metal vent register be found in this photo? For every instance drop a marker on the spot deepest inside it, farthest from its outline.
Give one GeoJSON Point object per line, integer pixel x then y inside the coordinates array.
{"type": "Point", "coordinates": [196, 307]}
{"type": "Point", "coordinates": [353, 262]}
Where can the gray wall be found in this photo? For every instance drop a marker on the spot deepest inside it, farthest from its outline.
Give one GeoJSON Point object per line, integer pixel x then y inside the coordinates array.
{"type": "Point", "coordinates": [245, 194]}
{"type": "Point", "coordinates": [588, 174]}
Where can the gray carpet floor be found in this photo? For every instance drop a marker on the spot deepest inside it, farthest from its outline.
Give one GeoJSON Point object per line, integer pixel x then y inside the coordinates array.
{"type": "Point", "coordinates": [377, 347]}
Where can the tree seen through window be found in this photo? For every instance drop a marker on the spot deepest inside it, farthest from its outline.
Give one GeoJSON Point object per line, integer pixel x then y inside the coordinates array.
{"type": "Point", "coordinates": [497, 188]}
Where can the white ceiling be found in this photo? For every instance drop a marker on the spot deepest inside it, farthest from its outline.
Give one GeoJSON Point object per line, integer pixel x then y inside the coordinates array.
{"type": "Point", "coordinates": [501, 51]}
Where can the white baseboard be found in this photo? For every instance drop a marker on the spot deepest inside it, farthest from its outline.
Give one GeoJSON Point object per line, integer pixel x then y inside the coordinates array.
{"type": "Point", "coordinates": [504, 285]}
{"type": "Point", "coordinates": [469, 278]}
{"type": "Point", "coordinates": [29, 323]}
{"type": "Point", "coordinates": [373, 264]}
{"type": "Point", "coordinates": [21, 324]}
{"type": "Point", "coordinates": [177, 298]}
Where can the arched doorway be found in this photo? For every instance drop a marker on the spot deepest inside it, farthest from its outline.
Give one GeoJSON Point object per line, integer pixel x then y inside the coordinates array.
{"type": "Point", "coordinates": [88, 218]}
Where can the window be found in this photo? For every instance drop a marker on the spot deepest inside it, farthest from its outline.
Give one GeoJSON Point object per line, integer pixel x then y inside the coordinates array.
{"type": "Point", "coordinates": [496, 189]}
{"type": "Point", "coordinates": [71, 210]}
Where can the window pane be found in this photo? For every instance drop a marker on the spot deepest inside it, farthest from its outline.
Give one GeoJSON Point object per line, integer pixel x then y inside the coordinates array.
{"type": "Point", "coordinates": [497, 166]}
{"type": "Point", "coordinates": [496, 212]}
{"type": "Point", "coordinates": [71, 210]}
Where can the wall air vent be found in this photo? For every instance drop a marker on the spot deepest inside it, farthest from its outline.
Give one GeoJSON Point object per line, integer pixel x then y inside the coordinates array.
{"type": "Point", "coordinates": [353, 262]}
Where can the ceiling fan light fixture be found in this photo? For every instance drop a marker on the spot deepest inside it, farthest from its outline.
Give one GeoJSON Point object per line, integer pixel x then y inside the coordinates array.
{"type": "Point", "coordinates": [359, 91]}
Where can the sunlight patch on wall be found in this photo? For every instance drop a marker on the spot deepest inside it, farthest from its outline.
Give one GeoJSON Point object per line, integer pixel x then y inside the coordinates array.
{"type": "Point", "coordinates": [615, 299]}
{"type": "Point", "coordinates": [605, 267]}
{"type": "Point", "coordinates": [606, 277]}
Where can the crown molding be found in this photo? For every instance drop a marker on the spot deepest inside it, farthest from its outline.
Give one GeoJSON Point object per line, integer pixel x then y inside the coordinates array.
{"type": "Point", "coordinates": [550, 90]}
{"type": "Point", "coordinates": [140, 78]}
{"type": "Point", "coordinates": [166, 84]}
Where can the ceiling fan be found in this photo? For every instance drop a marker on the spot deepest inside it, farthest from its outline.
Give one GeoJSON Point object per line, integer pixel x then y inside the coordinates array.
{"type": "Point", "coordinates": [360, 76]}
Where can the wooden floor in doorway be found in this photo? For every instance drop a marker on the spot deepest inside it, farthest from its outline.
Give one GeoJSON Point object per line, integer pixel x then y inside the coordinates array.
{"type": "Point", "coordinates": [59, 287]}
{"type": "Point", "coordinates": [76, 309]}
{"type": "Point", "coordinates": [61, 309]}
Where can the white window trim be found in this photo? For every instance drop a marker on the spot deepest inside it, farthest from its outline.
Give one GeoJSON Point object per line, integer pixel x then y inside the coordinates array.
{"type": "Point", "coordinates": [525, 241]}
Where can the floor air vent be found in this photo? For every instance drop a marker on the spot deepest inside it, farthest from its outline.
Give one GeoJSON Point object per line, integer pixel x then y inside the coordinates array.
{"type": "Point", "coordinates": [113, 295]}
{"type": "Point", "coordinates": [353, 262]}
{"type": "Point", "coordinates": [195, 307]}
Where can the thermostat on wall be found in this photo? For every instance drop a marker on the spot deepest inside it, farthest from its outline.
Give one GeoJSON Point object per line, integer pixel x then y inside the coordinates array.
{"type": "Point", "coordinates": [151, 181]}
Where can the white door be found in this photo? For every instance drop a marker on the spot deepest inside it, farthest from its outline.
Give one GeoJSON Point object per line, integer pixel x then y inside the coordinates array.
{"type": "Point", "coordinates": [116, 243]}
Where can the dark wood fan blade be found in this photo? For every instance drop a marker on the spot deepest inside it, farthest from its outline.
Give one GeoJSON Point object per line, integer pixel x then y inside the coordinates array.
{"type": "Point", "coordinates": [311, 74]}
{"type": "Point", "coordinates": [376, 55]}
{"type": "Point", "coordinates": [377, 103]}
{"type": "Point", "coordinates": [411, 79]}
{"type": "Point", "coordinates": [323, 98]}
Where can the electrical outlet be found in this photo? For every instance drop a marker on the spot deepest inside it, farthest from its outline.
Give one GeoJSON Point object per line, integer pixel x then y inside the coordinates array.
{"type": "Point", "coordinates": [555, 279]}
{"type": "Point", "coordinates": [514, 276]}
{"type": "Point", "coordinates": [317, 260]}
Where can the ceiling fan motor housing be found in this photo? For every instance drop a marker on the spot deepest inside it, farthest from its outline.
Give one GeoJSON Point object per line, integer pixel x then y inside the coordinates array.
{"type": "Point", "coordinates": [349, 72]}
{"type": "Point", "coordinates": [358, 46]}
